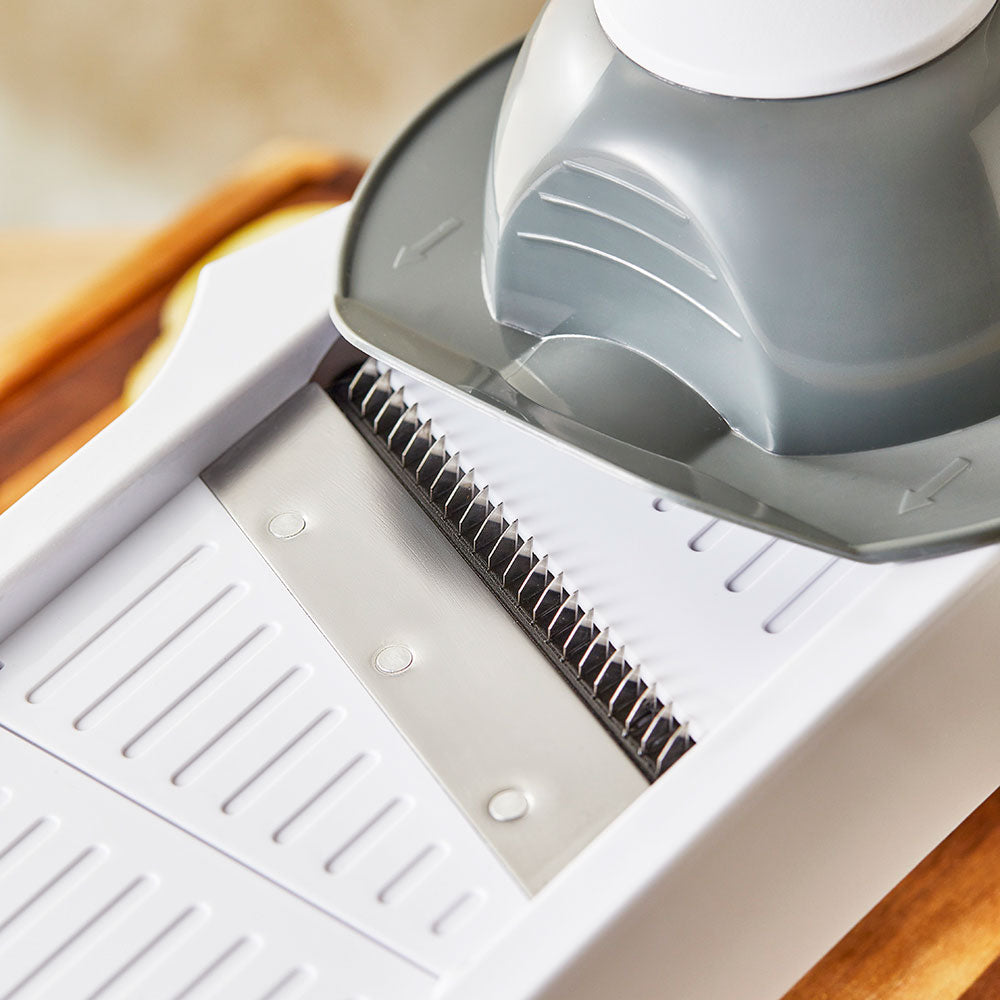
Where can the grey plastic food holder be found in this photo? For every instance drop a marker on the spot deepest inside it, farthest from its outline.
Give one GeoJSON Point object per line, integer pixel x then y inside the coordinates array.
{"type": "Point", "coordinates": [824, 272]}
{"type": "Point", "coordinates": [786, 313]}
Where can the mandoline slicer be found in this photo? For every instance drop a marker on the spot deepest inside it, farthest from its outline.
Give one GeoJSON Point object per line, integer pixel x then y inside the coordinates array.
{"type": "Point", "coordinates": [554, 616]}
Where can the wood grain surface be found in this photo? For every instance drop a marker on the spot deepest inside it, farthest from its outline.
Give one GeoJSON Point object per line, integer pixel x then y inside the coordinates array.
{"type": "Point", "coordinates": [40, 268]}
{"type": "Point", "coordinates": [936, 936]}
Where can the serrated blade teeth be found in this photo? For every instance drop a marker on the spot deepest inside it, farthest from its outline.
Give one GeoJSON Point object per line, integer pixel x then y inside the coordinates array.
{"type": "Point", "coordinates": [552, 592]}
{"type": "Point", "coordinates": [381, 387]}
{"type": "Point", "coordinates": [611, 670]}
{"type": "Point", "coordinates": [489, 529]}
{"type": "Point", "coordinates": [521, 559]}
{"type": "Point", "coordinates": [535, 578]}
{"type": "Point", "coordinates": [389, 411]}
{"type": "Point", "coordinates": [616, 692]}
{"type": "Point", "coordinates": [646, 697]}
{"type": "Point", "coordinates": [507, 543]}
{"type": "Point", "coordinates": [676, 743]}
{"type": "Point", "coordinates": [599, 645]}
{"type": "Point", "coordinates": [446, 474]}
{"type": "Point", "coordinates": [477, 513]}
{"type": "Point", "coordinates": [404, 428]}
{"type": "Point", "coordinates": [664, 717]}
{"type": "Point", "coordinates": [462, 492]}
{"type": "Point", "coordinates": [621, 691]}
{"type": "Point", "coordinates": [432, 462]}
{"type": "Point", "coordinates": [418, 445]}
{"type": "Point", "coordinates": [564, 615]}
{"type": "Point", "coordinates": [362, 380]}
{"type": "Point", "coordinates": [582, 631]}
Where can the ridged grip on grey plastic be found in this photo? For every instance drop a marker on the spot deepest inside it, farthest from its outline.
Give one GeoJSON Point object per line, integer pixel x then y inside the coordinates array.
{"type": "Point", "coordinates": [824, 272]}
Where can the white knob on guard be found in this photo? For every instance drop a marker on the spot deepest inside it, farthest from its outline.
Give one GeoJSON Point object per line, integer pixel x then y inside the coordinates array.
{"type": "Point", "coordinates": [778, 49]}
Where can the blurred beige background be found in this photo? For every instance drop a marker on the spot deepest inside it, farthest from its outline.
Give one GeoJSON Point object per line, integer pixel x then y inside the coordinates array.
{"type": "Point", "coordinates": [115, 112]}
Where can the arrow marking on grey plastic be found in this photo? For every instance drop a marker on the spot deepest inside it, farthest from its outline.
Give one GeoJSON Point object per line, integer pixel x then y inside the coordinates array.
{"type": "Point", "coordinates": [414, 252]}
{"type": "Point", "coordinates": [555, 199]}
{"type": "Point", "coordinates": [641, 271]}
{"type": "Point", "coordinates": [924, 496]}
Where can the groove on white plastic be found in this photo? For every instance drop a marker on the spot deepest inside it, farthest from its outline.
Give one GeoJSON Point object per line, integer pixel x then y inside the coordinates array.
{"type": "Point", "coordinates": [180, 672]}
{"type": "Point", "coordinates": [461, 910]}
{"type": "Point", "coordinates": [710, 610]}
{"type": "Point", "coordinates": [786, 48]}
{"type": "Point", "coordinates": [240, 726]}
{"type": "Point", "coordinates": [24, 843]}
{"type": "Point", "coordinates": [710, 535]}
{"type": "Point", "coordinates": [173, 646]}
{"type": "Point", "coordinates": [759, 563]}
{"type": "Point", "coordinates": [413, 873]}
{"type": "Point", "coordinates": [368, 835]}
{"type": "Point", "coordinates": [810, 591]}
{"type": "Point", "coordinates": [201, 689]}
{"type": "Point", "coordinates": [276, 767]}
{"type": "Point", "coordinates": [328, 796]}
{"type": "Point", "coordinates": [114, 904]}
{"type": "Point", "coordinates": [144, 604]}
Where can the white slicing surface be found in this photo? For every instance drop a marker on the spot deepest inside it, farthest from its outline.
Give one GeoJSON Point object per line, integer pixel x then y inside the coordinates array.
{"type": "Point", "coordinates": [100, 900]}
{"type": "Point", "coordinates": [180, 672]}
{"type": "Point", "coordinates": [709, 610]}
{"type": "Point", "coordinates": [786, 48]}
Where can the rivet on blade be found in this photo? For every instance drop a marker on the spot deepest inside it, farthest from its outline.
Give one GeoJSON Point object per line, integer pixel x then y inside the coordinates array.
{"type": "Point", "coordinates": [286, 525]}
{"type": "Point", "coordinates": [394, 659]}
{"type": "Point", "coordinates": [508, 805]}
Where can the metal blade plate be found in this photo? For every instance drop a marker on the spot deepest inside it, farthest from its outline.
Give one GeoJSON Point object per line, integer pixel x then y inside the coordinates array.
{"type": "Point", "coordinates": [526, 760]}
{"type": "Point", "coordinates": [639, 716]}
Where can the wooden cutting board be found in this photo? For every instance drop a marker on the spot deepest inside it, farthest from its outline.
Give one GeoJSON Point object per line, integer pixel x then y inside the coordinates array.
{"type": "Point", "coordinates": [62, 375]}
{"type": "Point", "coordinates": [936, 936]}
